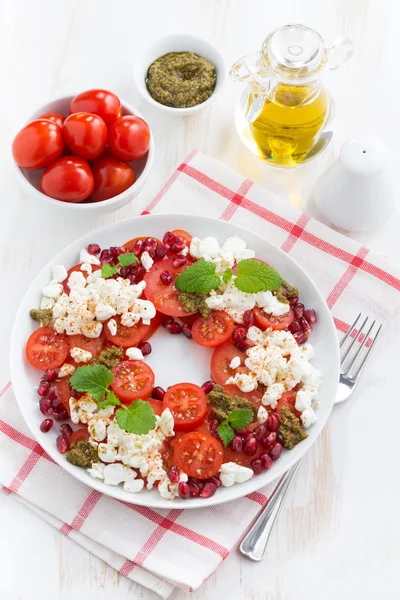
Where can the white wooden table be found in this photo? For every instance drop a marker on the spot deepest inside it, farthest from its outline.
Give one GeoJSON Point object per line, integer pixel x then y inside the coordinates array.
{"type": "Point", "coordinates": [339, 534]}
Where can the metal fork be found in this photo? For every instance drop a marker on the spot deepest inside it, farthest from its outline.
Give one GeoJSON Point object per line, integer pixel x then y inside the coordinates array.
{"type": "Point", "coordinates": [254, 544]}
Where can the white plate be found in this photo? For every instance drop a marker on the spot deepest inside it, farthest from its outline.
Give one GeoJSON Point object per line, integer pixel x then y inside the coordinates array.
{"type": "Point", "coordinates": [174, 358]}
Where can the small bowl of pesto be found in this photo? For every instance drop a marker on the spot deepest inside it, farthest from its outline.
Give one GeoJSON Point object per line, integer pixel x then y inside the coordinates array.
{"type": "Point", "coordinates": [180, 74]}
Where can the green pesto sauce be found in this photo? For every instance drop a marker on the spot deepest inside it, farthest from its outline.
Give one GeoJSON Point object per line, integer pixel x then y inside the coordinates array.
{"type": "Point", "coordinates": [42, 316]}
{"type": "Point", "coordinates": [285, 292]}
{"type": "Point", "coordinates": [223, 404]}
{"type": "Point", "coordinates": [192, 302]}
{"type": "Point", "coordinates": [290, 429]}
{"type": "Point", "coordinates": [82, 454]}
{"type": "Point", "coordinates": [109, 357]}
{"type": "Point", "coordinates": [181, 79]}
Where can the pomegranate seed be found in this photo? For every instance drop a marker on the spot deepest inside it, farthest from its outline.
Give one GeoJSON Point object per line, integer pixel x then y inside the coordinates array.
{"type": "Point", "coordinates": [269, 440]}
{"type": "Point", "coordinates": [178, 245]}
{"type": "Point", "coordinates": [137, 248]}
{"type": "Point", "coordinates": [184, 490]}
{"type": "Point", "coordinates": [150, 250]}
{"type": "Point", "coordinates": [169, 238]}
{"type": "Point", "coordinates": [208, 386]}
{"type": "Point", "coordinates": [298, 310]}
{"type": "Point", "coordinates": [294, 327]}
{"type": "Point", "coordinates": [306, 335]}
{"type": "Point", "coordinates": [93, 249]}
{"type": "Point", "coordinates": [248, 318]}
{"type": "Point", "coordinates": [299, 337]}
{"type": "Point", "coordinates": [244, 345]}
{"type": "Point", "coordinates": [214, 433]}
{"type": "Point", "coordinates": [50, 375]}
{"type": "Point", "coordinates": [167, 320]}
{"type": "Point", "coordinates": [214, 424]}
{"type": "Point", "coordinates": [237, 443]}
{"type": "Point", "coordinates": [45, 406]}
{"type": "Point", "coordinates": [256, 465]}
{"type": "Point", "coordinates": [311, 316]}
{"type": "Point", "coordinates": [194, 490]}
{"type": "Point", "coordinates": [46, 425]}
{"type": "Point", "coordinates": [151, 242]}
{"type": "Point", "coordinates": [145, 348]}
{"type": "Point", "coordinates": [106, 257]}
{"type": "Point", "coordinates": [238, 334]}
{"type": "Point", "coordinates": [260, 432]}
{"type": "Point", "coordinates": [63, 444]}
{"type": "Point", "coordinates": [51, 395]}
{"type": "Point", "coordinates": [158, 393]}
{"type": "Point", "coordinates": [272, 423]}
{"type": "Point", "coordinates": [66, 429]}
{"type": "Point", "coordinates": [293, 301]}
{"type": "Point", "coordinates": [114, 251]}
{"type": "Point", "coordinates": [187, 331]}
{"type": "Point", "coordinates": [178, 261]}
{"type": "Point", "coordinates": [265, 461]}
{"type": "Point", "coordinates": [305, 325]}
{"type": "Point", "coordinates": [173, 474]}
{"type": "Point", "coordinates": [166, 277]}
{"type": "Point", "coordinates": [276, 451]}
{"type": "Point", "coordinates": [133, 279]}
{"type": "Point", "coordinates": [59, 411]}
{"type": "Point", "coordinates": [250, 446]}
{"type": "Point", "coordinates": [242, 432]}
{"type": "Point", "coordinates": [162, 251]}
{"type": "Point", "coordinates": [125, 271]}
{"type": "Point", "coordinates": [279, 438]}
{"type": "Point", "coordinates": [208, 490]}
{"type": "Point", "coordinates": [43, 388]}
{"type": "Point", "coordinates": [215, 481]}
{"type": "Point", "coordinates": [173, 327]}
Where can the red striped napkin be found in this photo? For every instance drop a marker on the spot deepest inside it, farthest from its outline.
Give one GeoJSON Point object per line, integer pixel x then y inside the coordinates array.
{"type": "Point", "coordinates": [168, 548]}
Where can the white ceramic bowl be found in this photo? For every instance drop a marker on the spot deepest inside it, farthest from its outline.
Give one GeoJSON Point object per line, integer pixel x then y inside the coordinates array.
{"type": "Point", "coordinates": [178, 43]}
{"type": "Point", "coordinates": [174, 358]}
{"type": "Point", "coordinates": [29, 179]}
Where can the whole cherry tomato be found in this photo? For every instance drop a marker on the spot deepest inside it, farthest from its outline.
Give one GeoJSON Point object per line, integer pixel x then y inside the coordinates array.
{"type": "Point", "coordinates": [69, 178]}
{"type": "Point", "coordinates": [37, 144]}
{"type": "Point", "coordinates": [99, 102]}
{"type": "Point", "coordinates": [129, 138]}
{"type": "Point", "coordinates": [57, 118]}
{"type": "Point", "coordinates": [85, 134]}
{"type": "Point", "coordinates": [111, 177]}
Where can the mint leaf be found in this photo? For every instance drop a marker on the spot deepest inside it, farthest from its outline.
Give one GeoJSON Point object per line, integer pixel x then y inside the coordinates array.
{"type": "Point", "coordinates": [240, 418]}
{"type": "Point", "coordinates": [199, 278]}
{"type": "Point", "coordinates": [127, 259]}
{"type": "Point", "coordinates": [227, 276]}
{"type": "Point", "coordinates": [93, 379]}
{"type": "Point", "coordinates": [226, 432]}
{"type": "Point", "coordinates": [108, 271]}
{"type": "Point", "coordinates": [111, 400]}
{"type": "Point", "coordinates": [255, 276]}
{"type": "Point", "coordinates": [138, 418]}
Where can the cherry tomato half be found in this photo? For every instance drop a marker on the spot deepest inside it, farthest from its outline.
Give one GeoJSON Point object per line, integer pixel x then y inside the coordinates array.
{"type": "Point", "coordinates": [37, 144]}
{"type": "Point", "coordinates": [126, 336]}
{"type": "Point", "coordinates": [213, 331]}
{"type": "Point", "coordinates": [188, 404]}
{"type": "Point", "coordinates": [57, 118]}
{"type": "Point", "coordinates": [156, 405]}
{"type": "Point", "coordinates": [103, 103]}
{"type": "Point", "coordinates": [199, 455]}
{"type": "Point", "coordinates": [92, 345]}
{"type": "Point", "coordinates": [133, 379]}
{"type": "Point", "coordinates": [46, 349]}
{"type": "Point", "coordinates": [288, 399]}
{"type": "Point", "coordinates": [111, 177]}
{"type": "Point", "coordinates": [129, 138]}
{"type": "Point", "coordinates": [85, 135]}
{"type": "Point", "coordinates": [264, 321]}
{"type": "Point", "coordinates": [68, 178]}
{"type": "Point", "coordinates": [72, 270]}
{"type": "Point", "coordinates": [152, 328]}
{"type": "Point", "coordinates": [164, 297]}
{"type": "Point", "coordinates": [64, 392]}
{"type": "Point", "coordinates": [221, 359]}
{"type": "Point", "coordinates": [78, 436]}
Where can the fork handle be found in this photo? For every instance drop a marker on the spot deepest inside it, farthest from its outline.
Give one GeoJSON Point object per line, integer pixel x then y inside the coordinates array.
{"type": "Point", "coordinates": [254, 544]}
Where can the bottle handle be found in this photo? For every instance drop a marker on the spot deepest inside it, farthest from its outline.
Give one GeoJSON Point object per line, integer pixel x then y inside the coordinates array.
{"type": "Point", "coordinates": [340, 49]}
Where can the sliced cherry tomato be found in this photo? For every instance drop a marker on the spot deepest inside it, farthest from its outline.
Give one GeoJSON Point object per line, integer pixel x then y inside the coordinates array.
{"type": "Point", "coordinates": [188, 404]}
{"type": "Point", "coordinates": [129, 138]}
{"type": "Point", "coordinates": [126, 336]}
{"type": "Point", "coordinates": [288, 399]}
{"type": "Point", "coordinates": [156, 405]}
{"type": "Point", "coordinates": [64, 392]}
{"type": "Point", "coordinates": [154, 325]}
{"type": "Point", "coordinates": [103, 103]}
{"type": "Point", "coordinates": [92, 345]}
{"type": "Point", "coordinates": [164, 297]}
{"type": "Point", "coordinates": [78, 436]}
{"type": "Point", "coordinates": [221, 359]}
{"type": "Point", "coordinates": [183, 234]}
{"type": "Point", "coordinates": [55, 117]}
{"type": "Point", "coordinates": [129, 245]}
{"type": "Point", "coordinates": [264, 321]}
{"type": "Point", "coordinates": [76, 268]}
{"type": "Point", "coordinates": [68, 178]}
{"type": "Point", "coordinates": [111, 177]}
{"type": "Point", "coordinates": [37, 144]}
{"type": "Point", "coordinates": [85, 134]}
{"type": "Point", "coordinates": [133, 379]}
{"type": "Point", "coordinates": [213, 331]}
{"type": "Point", "coordinates": [199, 455]}
{"type": "Point", "coordinates": [190, 319]}
{"type": "Point", "coordinates": [46, 349]}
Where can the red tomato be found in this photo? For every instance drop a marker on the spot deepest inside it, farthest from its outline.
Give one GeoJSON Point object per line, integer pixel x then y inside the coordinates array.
{"type": "Point", "coordinates": [78, 436]}
{"type": "Point", "coordinates": [55, 117]}
{"type": "Point", "coordinates": [199, 455]}
{"type": "Point", "coordinates": [92, 345]}
{"type": "Point", "coordinates": [188, 404]}
{"type": "Point", "coordinates": [154, 325]}
{"type": "Point", "coordinates": [288, 399]}
{"type": "Point", "coordinates": [221, 359]}
{"type": "Point", "coordinates": [129, 138]}
{"type": "Point", "coordinates": [76, 268]}
{"type": "Point", "coordinates": [213, 331]}
{"type": "Point", "coordinates": [85, 134]}
{"type": "Point", "coordinates": [111, 177]}
{"type": "Point", "coordinates": [69, 179]}
{"type": "Point", "coordinates": [37, 144]}
{"type": "Point", "coordinates": [164, 297]}
{"type": "Point", "coordinates": [64, 392]}
{"type": "Point", "coordinates": [98, 102]}
{"type": "Point", "coordinates": [264, 321]}
{"type": "Point", "coordinates": [183, 234]}
{"type": "Point", "coordinates": [190, 319]}
{"type": "Point", "coordinates": [126, 336]}
{"type": "Point", "coordinates": [133, 379]}
{"type": "Point", "coordinates": [46, 349]}
{"type": "Point", "coordinates": [156, 405]}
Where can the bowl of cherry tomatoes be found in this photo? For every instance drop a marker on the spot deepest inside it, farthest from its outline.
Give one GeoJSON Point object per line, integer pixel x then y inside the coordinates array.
{"type": "Point", "coordinates": [92, 152]}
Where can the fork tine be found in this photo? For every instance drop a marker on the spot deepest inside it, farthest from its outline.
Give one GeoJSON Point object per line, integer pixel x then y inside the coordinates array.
{"type": "Point", "coordinates": [349, 331]}
{"type": "Point", "coordinates": [356, 374]}
{"type": "Point", "coordinates": [359, 349]}
{"type": "Point", "coordinates": [345, 355]}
